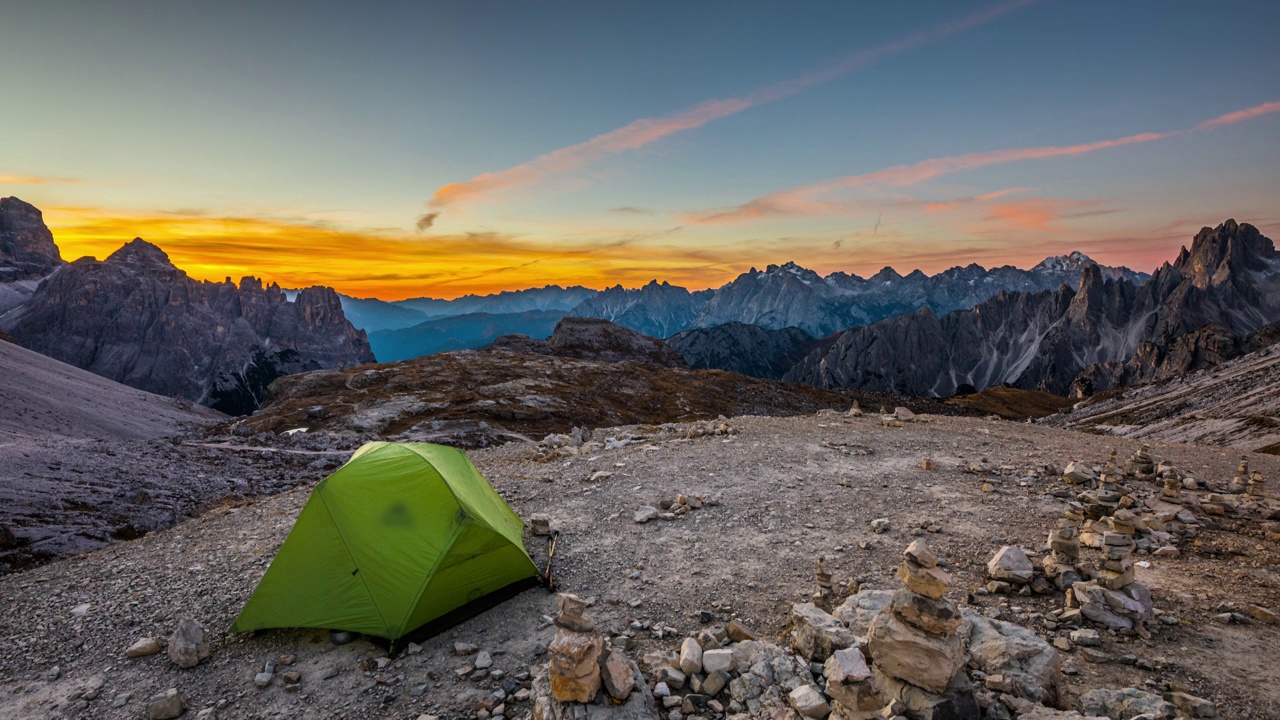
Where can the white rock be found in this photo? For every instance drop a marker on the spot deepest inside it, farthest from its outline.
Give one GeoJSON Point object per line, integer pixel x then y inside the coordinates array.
{"type": "Point", "coordinates": [713, 660]}
{"type": "Point", "coordinates": [1012, 564]}
{"type": "Point", "coordinates": [647, 513]}
{"type": "Point", "coordinates": [809, 702]}
{"type": "Point", "coordinates": [690, 657]}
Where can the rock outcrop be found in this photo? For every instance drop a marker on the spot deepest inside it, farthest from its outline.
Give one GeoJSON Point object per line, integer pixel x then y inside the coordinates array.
{"type": "Point", "coordinates": [27, 250]}
{"type": "Point", "coordinates": [1043, 340]}
{"type": "Point", "coordinates": [741, 348]}
{"type": "Point", "coordinates": [603, 341]}
{"type": "Point", "coordinates": [137, 319]}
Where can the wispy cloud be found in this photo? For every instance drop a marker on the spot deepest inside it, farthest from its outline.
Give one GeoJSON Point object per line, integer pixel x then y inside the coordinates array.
{"type": "Point", "coordinates": [37, 180]}
{"type": "Point", "coordinates": [809, 199]}
{"type": "Point", "coordinates": [630, 210]}
{"type": "Point", "coordinates": [644, 131]}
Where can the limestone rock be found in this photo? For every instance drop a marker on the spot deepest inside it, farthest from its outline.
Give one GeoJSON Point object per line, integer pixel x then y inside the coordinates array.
{"type": "Point", "coordinates": [1032, 665]}
{"type": "Point", "coordinates": [187, 645]}
{"type": "Point", "coordinates": [930, 582]}
{"type": "Point", "coordinates": [720, 659]}
{"type": "Point", "coordinates": [1011, 564]}
{"type": "Point", "coordinates": [933, 615]}
{"type": "Point", "coordinates": [1125, 704]}
{"type": "Point", "coordinates": [816, 634]}
{"type": "Point", "coordinates": [955, 702]}
{"type": "Point", "coordinates": [144, 647]}
{"type": "Point", "coordinates": [573, 659]}
{"type": "Point", "coordinates": [165, 705]}
{"type": "Point", "coordinates": [617, 676]}
{"type": "Point", "coordinates": [809, 702]}
{"type": "Point", "coordinates": [919, 551]}
{"type": "Point", "coordinates": [690, 657]}
{"type": "Point", "coordinates": [858, 609]}
{"type": "Point", "coordinates": [927, 661]}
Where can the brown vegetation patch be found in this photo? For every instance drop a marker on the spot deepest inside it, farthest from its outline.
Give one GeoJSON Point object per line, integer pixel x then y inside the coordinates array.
{"type": "Point", "coordinates": [1012, 403]}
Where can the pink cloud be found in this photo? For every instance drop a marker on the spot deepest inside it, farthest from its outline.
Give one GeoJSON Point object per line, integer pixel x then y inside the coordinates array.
{"type": "Point", "coordinates": [806, 199]}
{"type": "Point", "coordinates": [642, 132]}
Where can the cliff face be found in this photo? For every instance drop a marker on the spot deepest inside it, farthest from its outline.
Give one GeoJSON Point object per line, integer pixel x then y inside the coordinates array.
{"type": "Point", "coordinates": [1230, 279]}
{"type": "Point", "coordinates": [27, 250]}
{"type": "Point", "coordinates": [741, 348]}
{"type": "Point", "coordinates": [137, 319]}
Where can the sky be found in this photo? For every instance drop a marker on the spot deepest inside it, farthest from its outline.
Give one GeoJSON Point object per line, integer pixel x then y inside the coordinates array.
{"type": "Point", "coordinates": [435, 149]}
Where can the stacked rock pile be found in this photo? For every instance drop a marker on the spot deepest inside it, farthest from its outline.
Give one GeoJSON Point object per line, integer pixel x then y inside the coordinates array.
{"type": "Point", "coordinates": [1060, 565]}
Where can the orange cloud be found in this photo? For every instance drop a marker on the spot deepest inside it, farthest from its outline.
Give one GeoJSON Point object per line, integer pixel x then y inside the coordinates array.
{"type": "Point", "coordinates": [805, 199]}
{"type": "Point", "coordinates": [641, 132]}
{"type": "Point", "coordinates": [385, 264]}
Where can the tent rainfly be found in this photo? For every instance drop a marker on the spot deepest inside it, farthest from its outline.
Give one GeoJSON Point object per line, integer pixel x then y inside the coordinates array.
{"type": "Point", "coordinates": [401, 535]}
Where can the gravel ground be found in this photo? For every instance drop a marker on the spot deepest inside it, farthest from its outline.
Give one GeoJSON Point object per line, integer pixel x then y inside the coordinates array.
{"type": "Point", "coordinates": [789, 489]}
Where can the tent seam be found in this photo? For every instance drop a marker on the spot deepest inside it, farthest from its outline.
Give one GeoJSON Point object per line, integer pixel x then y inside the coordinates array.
{"type": "Point", "coordinates": [426, 578]}
{"type": "Point", "coordinates": [338, 529]}
{"type": "Point", "coordinates": [460, 504]}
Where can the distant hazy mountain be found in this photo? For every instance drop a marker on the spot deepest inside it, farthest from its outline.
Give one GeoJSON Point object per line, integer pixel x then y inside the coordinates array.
{"type": "Point", "coordinates": [658, 309]}
{"type": "Point", "coordinates": [371, 314]}
{"type": "Point", "coordinates": [789, 295]}
{"type": "Point", "coordinates": [460, 332]}
{"type": "Point", "coordinates": [1043, 340]}
{"type": "Point", "coordinates": [550, 297]}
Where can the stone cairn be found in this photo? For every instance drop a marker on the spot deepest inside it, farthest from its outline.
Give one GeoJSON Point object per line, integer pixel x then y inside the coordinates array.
{"type": "Point", "coordinates": [824, 590]}
{"type": "Point", "coordinates": [1114, 598]}
{"type": "Point", "coordinates": [916, 641]}
{"type": "Point", "coordinates": [1257, 486]}
{"type": "Point", "coordinates": [1241, 479]}
{"type": "Point", "coordinates": [1141, 465]}
{"type": "Point", "coordinates": [580, 663]}
{"type": "Point", "coordinates": [1064, 548]}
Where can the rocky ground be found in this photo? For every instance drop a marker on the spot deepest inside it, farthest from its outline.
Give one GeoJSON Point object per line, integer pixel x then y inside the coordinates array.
{"type": "Point", "coordinates": [783, 492]}
{"type": "Point", "coordinates": [85, 461]}
{"type": "Point", "coordinates": [1236, 403]}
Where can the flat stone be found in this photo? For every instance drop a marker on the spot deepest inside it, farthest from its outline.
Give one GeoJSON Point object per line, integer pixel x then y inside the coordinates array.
{"type": "Point", "coordinates": [933, 615]}
{"type": "Point", "coordinates": [263, 679]}
{"type": "Point", "coordinates": [930, 582]}
{"type": "Point", "coordinates": [1192, 706]}
{"type": "Point", "coordinates": [919, 551]}
{"type": "Point", "coordinates": [646, 513]}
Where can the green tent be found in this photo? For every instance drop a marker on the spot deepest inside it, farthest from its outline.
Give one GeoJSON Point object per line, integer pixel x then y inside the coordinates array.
{"type": "Point", "coordinates": [401, 535]}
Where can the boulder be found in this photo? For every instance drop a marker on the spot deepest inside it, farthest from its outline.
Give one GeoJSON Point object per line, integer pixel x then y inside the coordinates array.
{"type": "Point", "coordinates": [187, 645]}
{"type": "Point", "coordinates": [858, 609]}
{"type": "Point", "coordinates": [1125, 704]}
{"type": "Point", "coordinates": [1011, 564]}
{"type": "Point", "coordinates": [1029, 664]}
{"type": "Point", "coordinates": [924, 660]}
{"type": "Point", "coordinates": [816, 634]}
{"type": "Point", "coordinates": [713, 660]}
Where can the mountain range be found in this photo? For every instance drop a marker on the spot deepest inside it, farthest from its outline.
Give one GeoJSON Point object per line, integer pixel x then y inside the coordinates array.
{"type": "Point", "coordinates": [1067, 340]}
{"type": "Point", "coordinates": [137, 319]}
{"type": "Point", "coordinates": [781, 296]}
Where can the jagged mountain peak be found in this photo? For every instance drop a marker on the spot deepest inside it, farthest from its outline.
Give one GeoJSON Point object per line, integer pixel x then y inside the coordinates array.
{"type": "Point", "coordinates": [139, 253]}
{"type": "Point", "coordinates": [27, 250]}
{"type": "Point", "coordinates": [1217, 254]}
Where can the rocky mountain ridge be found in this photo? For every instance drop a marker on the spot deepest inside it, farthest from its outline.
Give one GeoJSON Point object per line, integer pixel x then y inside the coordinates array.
{"type": "Point", "coordinates": [742, 348]}
{"type": "Point", "coordinates": [136, 318]}
{"type": "Point", "coordinates": [27, 250]}
{"type": "Point", "coordinates": [1229, 278]}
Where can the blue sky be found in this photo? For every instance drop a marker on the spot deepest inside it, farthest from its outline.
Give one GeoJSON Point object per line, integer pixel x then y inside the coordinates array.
{"type": "Point", "coordinates": [301, 140]}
